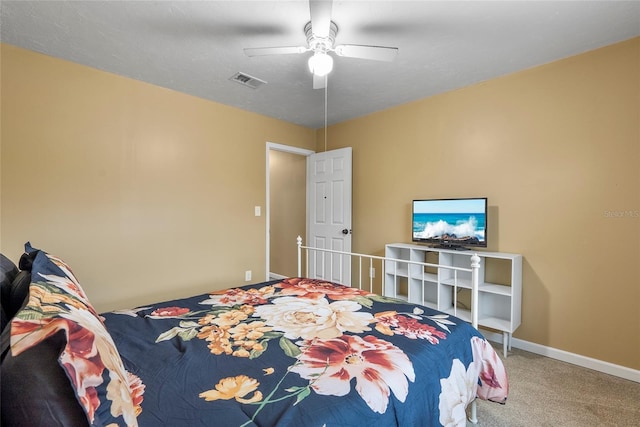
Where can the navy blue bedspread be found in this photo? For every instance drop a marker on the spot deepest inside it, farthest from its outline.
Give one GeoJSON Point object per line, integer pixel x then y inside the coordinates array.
{"type": "Point", "coordinates": [303, 352]}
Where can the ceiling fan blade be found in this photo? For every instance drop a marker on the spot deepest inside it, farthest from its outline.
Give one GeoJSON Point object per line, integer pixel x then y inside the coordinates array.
{"type": "Point", "coordinates": [377, 53]}
{"type": "Point", "coordinates": [261, 51]}
{"type": "Point", "coordinates": [319, 82]}
{"type": "Point", "coordinates": [320, 11]}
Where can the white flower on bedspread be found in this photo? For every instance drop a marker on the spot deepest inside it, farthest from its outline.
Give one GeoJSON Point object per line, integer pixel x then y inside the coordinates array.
{"type": "Point", "coordinates": [314, 318]}
{"type": "Point", "coordinates": [458, 390]}
{"type": "Point", "coordinates": [461, 387]}
{"type": "Point", "coordinates": [378, 366]}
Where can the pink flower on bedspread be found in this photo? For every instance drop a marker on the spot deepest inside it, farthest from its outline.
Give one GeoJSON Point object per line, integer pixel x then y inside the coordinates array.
{"type": "Point", "coordinates": [390, 322]}
{"type": "Point", "coordinates": [378, 366]}
{"type": "Point", "coordinates": [169, 312]}
{"type": "Point", "coordinates": [137, 391]}
{"type": "Point", "coordinates": [315, 288]}
{"type": "Point", "coordinates": [235, 296]}
{"type": "Point", "coordinates": [494, 384]}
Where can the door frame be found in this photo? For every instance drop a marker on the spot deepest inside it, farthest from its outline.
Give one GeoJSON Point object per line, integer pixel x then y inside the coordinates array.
{"type": "Point", "coordinates": [288, 149]}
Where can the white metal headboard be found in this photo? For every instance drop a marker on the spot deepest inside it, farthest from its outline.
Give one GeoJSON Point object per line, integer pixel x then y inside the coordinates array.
{"type": "Point", "coordinates": [368, 261]}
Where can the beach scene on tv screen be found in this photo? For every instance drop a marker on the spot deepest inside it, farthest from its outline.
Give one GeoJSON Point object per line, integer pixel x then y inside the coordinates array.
{"type": "Point", "coordinates": [460, 221]}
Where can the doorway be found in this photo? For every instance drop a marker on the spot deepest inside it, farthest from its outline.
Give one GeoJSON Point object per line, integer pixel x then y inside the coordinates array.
{"type": "Point", "coordinates": [285, 207]}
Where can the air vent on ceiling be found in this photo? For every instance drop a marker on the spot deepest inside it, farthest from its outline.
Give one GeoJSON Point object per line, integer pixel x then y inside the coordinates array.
{"type": "Point", "coordinates": [247, 80]}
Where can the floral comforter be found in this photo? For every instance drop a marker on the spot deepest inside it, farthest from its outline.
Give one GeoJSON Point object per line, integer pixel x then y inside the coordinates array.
{"type": "Point", "coordinates": [303, 352]}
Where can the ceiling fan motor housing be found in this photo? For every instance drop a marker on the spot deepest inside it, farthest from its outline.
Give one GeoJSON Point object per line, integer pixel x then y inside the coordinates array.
{"type": "Point", "coordinates": [321, 44]}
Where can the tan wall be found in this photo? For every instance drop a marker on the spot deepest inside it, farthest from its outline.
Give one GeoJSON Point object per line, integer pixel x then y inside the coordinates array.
{"type": "Point", "coordinates": [287, 191]}
{"type": "Point", "coordinates": [149, 194]}
{"type": "Point", "coordinates": [555, 149]}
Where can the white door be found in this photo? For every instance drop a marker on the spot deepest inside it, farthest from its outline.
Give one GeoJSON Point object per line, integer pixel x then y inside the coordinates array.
{"type": "Point", "coordinates": [329, 214]}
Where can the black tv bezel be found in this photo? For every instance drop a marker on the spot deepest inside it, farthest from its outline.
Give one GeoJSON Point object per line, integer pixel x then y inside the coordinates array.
{"type": "Point", "coordinates": [444, 243]}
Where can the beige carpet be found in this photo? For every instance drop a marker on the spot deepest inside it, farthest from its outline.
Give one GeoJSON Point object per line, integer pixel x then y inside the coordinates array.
{"type": "Point", "coordinates": [547, 392]}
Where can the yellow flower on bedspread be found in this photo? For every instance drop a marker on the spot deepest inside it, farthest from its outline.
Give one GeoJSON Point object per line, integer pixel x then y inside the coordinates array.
{"type": "Point", "coordinates": [230, 318]}
{"type": "Point", "coordinates": [227, 335]}
{"type": "Point", "coordinates": [234, 388]}
{"type": "Point", "coordinates": [249, 331]}
{"type": "Point", "coordinates": [48, 301]}
{"type": "Point", "coordinates": [207, 319]}
{"type": "Point", "coordinates": [218, 339]}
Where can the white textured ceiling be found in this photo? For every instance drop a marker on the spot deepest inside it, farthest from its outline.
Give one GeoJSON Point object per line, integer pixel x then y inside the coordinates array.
{"type": "Point", "coordinates": [196, 46]}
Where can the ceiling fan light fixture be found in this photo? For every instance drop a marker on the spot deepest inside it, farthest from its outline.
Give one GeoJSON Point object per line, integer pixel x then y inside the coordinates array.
{"type": "Point", "coordinates": [320, 64]}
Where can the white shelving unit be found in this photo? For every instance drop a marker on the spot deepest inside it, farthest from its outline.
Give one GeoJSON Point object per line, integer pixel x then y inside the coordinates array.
{"type": "Point", "coordinates": [499, 301]}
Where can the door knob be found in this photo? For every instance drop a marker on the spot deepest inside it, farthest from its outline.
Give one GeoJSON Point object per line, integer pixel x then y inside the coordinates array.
{"type": "Point", "coordinates": [346, 231]}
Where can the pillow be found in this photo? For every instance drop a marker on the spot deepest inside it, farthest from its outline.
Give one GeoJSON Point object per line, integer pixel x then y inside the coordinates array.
{"type": "Point", "coordinates": [17, 295]}
{"type": "Point", "coordinates": [36, 391]}
{"type": "Point", "coordinates": [90, 359]}
{"type": "Point", "coordinates": [3, 318]}
{"type": "Point", "coordinates": [26, 260]}
{"type": "Point", "coordinates": [8, 271]}
{"type": "Point", "coordinates": [15, 284]}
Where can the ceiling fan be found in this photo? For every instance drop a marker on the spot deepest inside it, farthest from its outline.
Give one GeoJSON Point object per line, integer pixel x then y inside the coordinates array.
{"type": "Point", "coordinates": [321, 33]}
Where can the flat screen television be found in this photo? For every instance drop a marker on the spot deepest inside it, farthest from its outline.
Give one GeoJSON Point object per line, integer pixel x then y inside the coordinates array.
{"type": "Point", "coordinates": [450, 223]}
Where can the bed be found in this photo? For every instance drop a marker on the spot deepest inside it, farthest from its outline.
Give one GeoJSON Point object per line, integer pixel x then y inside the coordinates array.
{"type": "Point", "coordinates": [288, 352]}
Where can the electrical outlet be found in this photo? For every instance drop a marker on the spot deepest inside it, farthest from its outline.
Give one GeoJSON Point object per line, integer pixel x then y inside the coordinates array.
{"type": "Point", "coordinates": [257, 211]}
{"type": "Point", "coordinates": [247, 276]}
{"type": "Point", "coordinates": [372, 272]}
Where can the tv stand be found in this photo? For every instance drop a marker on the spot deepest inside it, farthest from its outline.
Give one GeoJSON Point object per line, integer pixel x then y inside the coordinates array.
{"type": "Point", "coordinates": [499, 290]}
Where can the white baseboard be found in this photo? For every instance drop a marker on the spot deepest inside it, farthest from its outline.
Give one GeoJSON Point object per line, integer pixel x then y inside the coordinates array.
{"type": "Point", "coordinates": [277, 276]}
{"type": "Point", "coordinates": [565, 356]}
